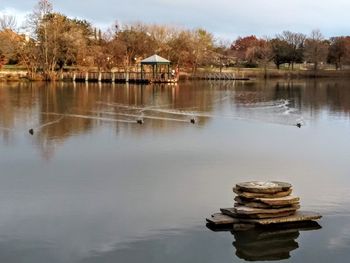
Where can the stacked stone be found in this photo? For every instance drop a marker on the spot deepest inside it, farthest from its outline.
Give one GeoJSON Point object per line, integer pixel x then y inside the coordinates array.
{"type": "Point", "coordinates": [263, 200]}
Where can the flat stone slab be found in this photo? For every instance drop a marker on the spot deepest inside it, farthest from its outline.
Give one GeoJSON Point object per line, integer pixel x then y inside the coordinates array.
{"type": "Point", "coordinates": [258, 204]}
{"type": "Point", "coordinates": [263, 187]}
{"type": "Point", "coordinates": [231, 212]}
{"type": "Point", "coordinates": [221, 219]}
{"type": "Point", "coordinates": [272, 202]}
{"type": "Point", "coordinates": [298, 216]}
{"type": "Point", "coordinates": [249, 210]}
{"type": "Point", "coordinates": [286, 200]}
{"type": "Point", "coordinates": [253, 204]}
{"type": "Point", "coordinates": [261, 195]}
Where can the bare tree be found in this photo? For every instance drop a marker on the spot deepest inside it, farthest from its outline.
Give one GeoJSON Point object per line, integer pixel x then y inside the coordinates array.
{"type": "Point", "coordinates": [8, 43]}
{"type": "Point", "coordinates": [339, 51]}
{"type": "Point", "coordinates": [262, 53]}
{"type": "Point", "coordinates": [8, 22]}
{"type": "Point", "coordinates": [316, 48]}
{"type": "Point", "coordinates": [295, 46]}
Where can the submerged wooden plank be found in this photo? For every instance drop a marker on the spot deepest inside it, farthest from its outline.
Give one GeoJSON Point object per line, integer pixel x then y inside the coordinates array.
{"type": "Point", "coordinates": [264, 187]}
{"type": "Point", "coordinates": [261, 195]}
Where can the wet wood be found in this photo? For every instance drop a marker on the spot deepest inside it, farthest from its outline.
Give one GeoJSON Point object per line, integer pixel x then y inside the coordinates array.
{"type": "Point", "coordinates": [262, 195]}
{"type": "Point", "coordinates": [269, 187]}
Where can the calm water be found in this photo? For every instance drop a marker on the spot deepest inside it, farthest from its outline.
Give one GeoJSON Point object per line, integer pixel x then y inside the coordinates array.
{"type": "Point", "coordinates": [92, 185]}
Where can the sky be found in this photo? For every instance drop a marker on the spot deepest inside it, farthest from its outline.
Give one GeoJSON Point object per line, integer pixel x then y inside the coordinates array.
{"type": "Point", "coordinates": [226, 19]}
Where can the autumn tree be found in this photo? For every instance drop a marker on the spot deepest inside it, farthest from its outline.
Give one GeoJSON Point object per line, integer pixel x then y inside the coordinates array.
{"type": "Point", "coordinates": [7, 37]}
{"type": "Point", "coordinates": [339, 51]}
{"type": "Point", "coordinates": [131, 43]}
{"type": "Point", "coordinates": [182, 51]}
{"type": "Point", "coordinates": [202, 45]}
{"type": "Point", "coordinates": [161, 36]}
{"type": "Point", "coordinates": [294, 46]}
{"type": "Point", "coordinates": [261, 53]}
{"type": "Point", "coordinates": [8, 46]}
{"type": "Point", "coordinates": [241, 46]}
{"type": "Point", "coordinates": [222, 55]}
{"type": "Point", "coordinates": [280, 54]}
{"type": "Point", "coordinates": [28, 54]}
{"type": "Point", "coordinates": [58, 39]}
{"type": "Point", "coordinates": [316, 48]}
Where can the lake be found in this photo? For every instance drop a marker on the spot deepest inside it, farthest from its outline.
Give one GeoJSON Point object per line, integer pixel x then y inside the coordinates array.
{"type": "Point", "coordinates": [92, 185]}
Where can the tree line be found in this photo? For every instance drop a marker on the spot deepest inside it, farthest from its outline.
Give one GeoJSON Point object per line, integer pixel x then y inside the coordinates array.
{"type": "Point", "coordinates": [55, 42]}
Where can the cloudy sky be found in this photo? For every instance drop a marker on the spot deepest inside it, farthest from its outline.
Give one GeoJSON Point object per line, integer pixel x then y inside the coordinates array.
{"type": "Point", "coordinates": [225, 18]}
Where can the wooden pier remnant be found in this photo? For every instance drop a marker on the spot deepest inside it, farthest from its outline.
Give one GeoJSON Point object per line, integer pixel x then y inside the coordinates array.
{"type": "Point", "coordinates": [262, 203]}
{"type": "Point", "coordinates": [113, 77]}
{"type": "Point", "coordinates": [216, 76]}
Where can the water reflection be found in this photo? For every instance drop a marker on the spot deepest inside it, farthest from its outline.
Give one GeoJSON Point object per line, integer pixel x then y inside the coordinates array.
{"type": "Point", "coordinates": [272, 243]}
{"type": "Point", "coordinates": [83, 187]}
{"type": "Point", "coordinates": [56, 112]}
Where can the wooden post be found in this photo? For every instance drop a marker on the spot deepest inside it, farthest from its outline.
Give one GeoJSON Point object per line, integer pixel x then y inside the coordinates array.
{"type": "Point", "coordinates": [156, 71]}
{"type": "Point", "coordinates": [141, 72]}
{"type": "Point", "coordinates": [126, 76]}
{"type": "Point", "coordinates": [74, 76]}
{"type": "Point", "coordinates": [113, 77]}
{"type": "Point", "coordinates": [169, 71]}
{"type": "Point", "coordinates": [99, 76]}
{"type": "Point", "coordinates": [87, 77]}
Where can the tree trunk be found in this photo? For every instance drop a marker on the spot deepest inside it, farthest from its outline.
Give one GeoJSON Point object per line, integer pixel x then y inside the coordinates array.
{"type": "Point", "coordinates": [265, 71]}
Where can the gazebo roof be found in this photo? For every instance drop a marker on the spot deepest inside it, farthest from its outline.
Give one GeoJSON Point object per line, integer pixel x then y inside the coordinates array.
{"type": "Point", "coordinates": [155, 59]}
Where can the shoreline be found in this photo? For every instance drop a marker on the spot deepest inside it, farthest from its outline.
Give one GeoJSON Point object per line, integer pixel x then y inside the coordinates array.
{"type": "Point", "coordinates": [241, 74]}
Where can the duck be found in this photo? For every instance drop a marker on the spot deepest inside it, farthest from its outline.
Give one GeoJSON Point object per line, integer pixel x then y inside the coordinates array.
{"type": "Point", "coordinates": [139, 121]}
{"type": "Point", "coordinates": [31, 131]}
{"type": "Point", "coordinates": [193, 120]}
{"type": "Point", "coordinates": [299, 125]}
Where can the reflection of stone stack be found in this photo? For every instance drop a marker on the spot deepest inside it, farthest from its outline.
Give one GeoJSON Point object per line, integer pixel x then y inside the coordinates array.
{"type": "Point", "coordinates": [271, 243]}
{"type": "Point", "coordinates": [262, 203]}
{"type": "Point", "coordinates": [261, 245]}
{"type": "Point", "coordinates": [263, 200]}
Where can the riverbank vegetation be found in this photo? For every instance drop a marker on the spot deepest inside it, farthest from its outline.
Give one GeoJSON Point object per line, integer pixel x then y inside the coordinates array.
{"type": "Point", "coordinates": [53, 43]}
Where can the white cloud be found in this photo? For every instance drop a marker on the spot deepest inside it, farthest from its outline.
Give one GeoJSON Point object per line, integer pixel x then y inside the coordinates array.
{"type": "Point", "coordinates": [222, 17]}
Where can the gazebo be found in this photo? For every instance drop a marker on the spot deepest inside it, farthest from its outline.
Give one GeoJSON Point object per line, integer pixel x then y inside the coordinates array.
{"type": "Point", "coordinates": [156, 62]}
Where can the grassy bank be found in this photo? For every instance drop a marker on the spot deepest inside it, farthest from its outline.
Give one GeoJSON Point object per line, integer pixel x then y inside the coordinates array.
{"type": "Point", "coordinates": [18, 74]}
{"type": "Point", "coordinates": [260, 73]}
